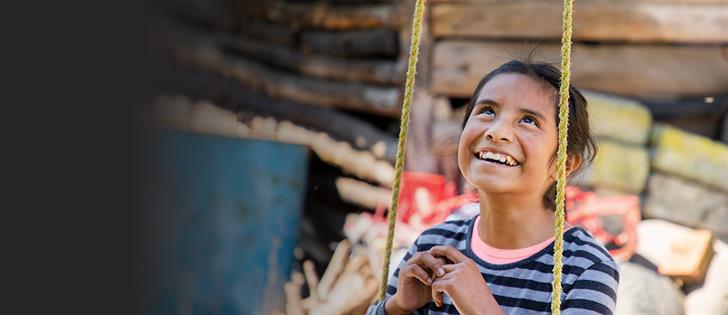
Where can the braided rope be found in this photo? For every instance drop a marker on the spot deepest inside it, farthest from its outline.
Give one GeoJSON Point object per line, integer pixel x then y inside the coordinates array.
{"type": "Point", "coordinates": [403, 129]}
{"type": "Point", "coordinates": [562, 155]}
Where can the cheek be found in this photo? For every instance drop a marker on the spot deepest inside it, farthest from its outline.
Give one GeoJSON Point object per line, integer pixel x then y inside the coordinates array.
{"type": "Point", "coordinates": [540, 152]}
{"type": "Point", "coordinates": [462, 151]}
{"type": "Point", "coordinates": [467, 136]}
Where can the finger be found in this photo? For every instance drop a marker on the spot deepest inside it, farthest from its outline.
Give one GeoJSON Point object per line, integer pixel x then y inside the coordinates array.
{"type": "Point", "coordinates": [415, 271]}
{"type": "Point", "coordinates": [431, 263]}
{"type": "Point", "coordinates": [437, 297]}
{"type": "Point", "coordinates": [451, 267]}
{"type": "Point", "coordinates": [449, 252]}
{"type": "Point", "coordinates": [440, 286]}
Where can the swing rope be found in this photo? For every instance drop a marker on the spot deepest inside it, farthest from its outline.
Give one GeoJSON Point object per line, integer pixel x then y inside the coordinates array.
{"type": "Point", "coordinates": [561, 152]}
{"type": "Point", "coordinates": [562, 155]}
{"type": "Point", "coordinates": [403, 129]}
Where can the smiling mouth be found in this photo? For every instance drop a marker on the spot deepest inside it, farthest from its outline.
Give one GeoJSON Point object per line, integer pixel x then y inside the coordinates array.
{"type": "Point", "coordinates": [499, 158]}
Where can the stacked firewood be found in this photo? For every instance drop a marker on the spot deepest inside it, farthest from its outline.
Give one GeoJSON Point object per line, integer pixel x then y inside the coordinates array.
{"type": "Point", "coordinates": [351, 280]}
{"type": "Point", "coordinates": [327, 54]}
{"type": "Point", "coordinates": [347, 286]}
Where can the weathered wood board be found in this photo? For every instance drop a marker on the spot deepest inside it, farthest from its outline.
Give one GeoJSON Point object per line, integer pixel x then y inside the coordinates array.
{"type": "Point", "coordinates": [633, 21]}
{"type": "Point", "coordinates": [660, 71]}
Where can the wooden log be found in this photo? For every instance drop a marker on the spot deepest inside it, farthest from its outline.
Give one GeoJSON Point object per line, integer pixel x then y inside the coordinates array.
{"type": "Point", "coordinates": [354, 288]}
{"type": "Point", "coordinates": [360, 163]}
{"type": "Point", "coordinates": [202, 117]}
{"type": "Point", "coordinates": [322, 15]}
{"type": "Point", "coordinates": [293, 298]}
{"type": "Point", "coordinates": [362, 194]}
{"type": "Point", "coordinates": [336, 265]}
{"type": "Point", "coordinates": [349, 95]}
{"type": "Point", "coordinates": [312, 279]}
{"type": "Point", "coordinates": [632, 21]}
{"type": "Point", "coordinates": [380, 72]}
{"type": "Point", "coordinates": [618, 118]}
{"type": "Point", "coordinates": [340, 126]}
{"type": "Point", "coordinates": [686, 202]}
{"type": "Point", "coordinates": [645, 71]}
{"type": "Point", "coordinates": [382, 43]}
{"type": "Point", "coordinates": [616, 166]}
{"type": "Point", "coordinates": [690, 156]}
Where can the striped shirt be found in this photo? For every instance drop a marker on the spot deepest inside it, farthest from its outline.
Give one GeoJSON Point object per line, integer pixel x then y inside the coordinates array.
{"type": "Point", "coordinates": [589, 281]}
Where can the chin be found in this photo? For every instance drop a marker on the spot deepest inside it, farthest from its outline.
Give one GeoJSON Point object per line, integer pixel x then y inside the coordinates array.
{"type": "Point", "coordinates": [489, 184]}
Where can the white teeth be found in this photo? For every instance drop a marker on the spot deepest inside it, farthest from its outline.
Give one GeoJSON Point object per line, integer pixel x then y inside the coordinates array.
{"type": "Point", "coordinates": [503, 158]}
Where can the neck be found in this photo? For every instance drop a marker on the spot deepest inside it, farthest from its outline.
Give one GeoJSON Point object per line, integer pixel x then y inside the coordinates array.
{"type": "Point", "coordinates": [514, 221]}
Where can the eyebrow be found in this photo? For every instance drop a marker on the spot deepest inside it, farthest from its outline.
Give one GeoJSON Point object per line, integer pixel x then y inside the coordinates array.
{"type": "Point", "coordinates": [523, 110]}
{"type": "Point", "coordinates": [534, 113]}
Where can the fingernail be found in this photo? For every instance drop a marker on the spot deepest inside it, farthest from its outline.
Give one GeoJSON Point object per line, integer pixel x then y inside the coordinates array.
{"type": "Point", "coordinates": [440, 272]}
{"type": "Point", "coordinates": [429, 280]}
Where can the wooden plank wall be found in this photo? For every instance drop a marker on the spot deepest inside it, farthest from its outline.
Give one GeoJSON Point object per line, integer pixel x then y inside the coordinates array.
{"type": "Point", "coordinates": [640, 48]}
{"type": "Point", "coordinates": [340, 55]}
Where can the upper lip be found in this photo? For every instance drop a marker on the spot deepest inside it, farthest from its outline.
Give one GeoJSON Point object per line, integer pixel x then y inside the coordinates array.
{"type": "Point", "coordinates": [495, 150]}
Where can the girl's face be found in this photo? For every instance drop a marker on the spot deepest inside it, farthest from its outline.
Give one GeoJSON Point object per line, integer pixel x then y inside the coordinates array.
{"type": "Point", "coordinates": [510, 137]}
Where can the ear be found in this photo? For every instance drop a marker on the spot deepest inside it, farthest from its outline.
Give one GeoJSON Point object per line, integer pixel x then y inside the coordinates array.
{"type": "Point", "coordinates": [573, 161]}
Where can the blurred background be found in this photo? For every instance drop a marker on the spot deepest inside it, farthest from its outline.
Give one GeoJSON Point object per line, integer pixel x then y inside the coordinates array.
{"type": "Point", "coordinates": [270, 145]}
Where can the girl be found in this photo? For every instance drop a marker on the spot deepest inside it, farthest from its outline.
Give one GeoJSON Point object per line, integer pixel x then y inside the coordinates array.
{"type": "Point", "coordinates": [501, 261]}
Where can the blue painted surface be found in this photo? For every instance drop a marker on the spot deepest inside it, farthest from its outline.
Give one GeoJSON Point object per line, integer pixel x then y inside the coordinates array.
{"type": "Point", "coordinates": [221, 220]}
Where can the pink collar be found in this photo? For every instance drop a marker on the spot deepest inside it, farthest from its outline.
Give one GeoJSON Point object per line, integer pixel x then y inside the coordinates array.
{"type": "Point", "coordinates": [499, 256]}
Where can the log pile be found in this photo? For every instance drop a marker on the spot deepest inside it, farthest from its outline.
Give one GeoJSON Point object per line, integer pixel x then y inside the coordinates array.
{"type": "Point", "coordinates": [204, 117]}
{"type": "Point", "coordinates": [643, 49]}
{"type": "Point", "coordinates": [336, 55]}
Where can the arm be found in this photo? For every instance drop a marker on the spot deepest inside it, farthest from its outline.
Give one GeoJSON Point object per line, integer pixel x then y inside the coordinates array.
{"type": "Point", "coordinates": [385, 307]}
{"type": "Point", "coordinates": [594, 291]}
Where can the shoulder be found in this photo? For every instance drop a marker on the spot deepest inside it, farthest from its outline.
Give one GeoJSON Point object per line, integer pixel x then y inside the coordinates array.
{"type": "Point", "coordinates": [584, 253]}
{"type": "Point", "coordinates": [454, 233]}
{"type": "Point", "coordinates": [579, 243]}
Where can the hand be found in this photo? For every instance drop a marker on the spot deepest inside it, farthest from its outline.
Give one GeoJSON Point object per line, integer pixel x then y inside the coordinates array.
{"type": "Point", "coordinates": [463, 283]}
{"type": "Point", "coordinates": [413, 283]}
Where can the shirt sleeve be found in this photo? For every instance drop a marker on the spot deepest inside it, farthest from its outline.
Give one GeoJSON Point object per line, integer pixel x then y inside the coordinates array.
{"type": "Point", "coordinates": [594, 291]}
{"type": "Point", "coordinates": [378, 307]}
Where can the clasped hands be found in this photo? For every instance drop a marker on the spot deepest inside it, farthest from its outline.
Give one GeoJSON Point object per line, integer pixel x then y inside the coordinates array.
{"type": "Point", "coordinates": [442, 269]}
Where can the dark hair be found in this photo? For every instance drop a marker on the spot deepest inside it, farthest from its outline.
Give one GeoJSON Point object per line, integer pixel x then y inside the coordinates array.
{"type": "Point", "coordinates": [580, 140]}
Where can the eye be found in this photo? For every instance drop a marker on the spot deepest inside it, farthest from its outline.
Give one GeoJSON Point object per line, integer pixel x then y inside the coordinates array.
{"type": "Point", "coordinates": [529, 120]}
{"type": "Point", "coordinates": [488, 111]}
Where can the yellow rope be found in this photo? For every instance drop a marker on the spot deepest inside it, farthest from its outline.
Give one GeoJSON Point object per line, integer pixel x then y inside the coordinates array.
{"type": "Point", "coordinates": [562, 155]}
{"type": "Point", "coordinates": [403, 129]}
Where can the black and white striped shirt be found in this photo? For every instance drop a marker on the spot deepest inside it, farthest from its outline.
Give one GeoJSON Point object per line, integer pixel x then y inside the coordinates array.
{"type": "Point", "coordinates": [589, 281]}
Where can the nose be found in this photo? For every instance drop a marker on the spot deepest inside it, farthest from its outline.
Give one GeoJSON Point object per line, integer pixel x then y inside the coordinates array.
{"type": "Point", "coordinates": [499, 131]}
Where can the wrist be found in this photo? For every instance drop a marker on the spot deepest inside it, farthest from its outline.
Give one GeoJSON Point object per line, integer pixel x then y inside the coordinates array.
{"type": "Point", "coordinates": [391, 307]}
{"type": "Point", "coordinates": [491, 307]}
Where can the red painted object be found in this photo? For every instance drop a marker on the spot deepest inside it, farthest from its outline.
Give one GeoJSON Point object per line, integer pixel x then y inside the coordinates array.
{"type": "Point", "coordinates": [600, 215]}
{"type": "Point", "coordinates": [419, 194]}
